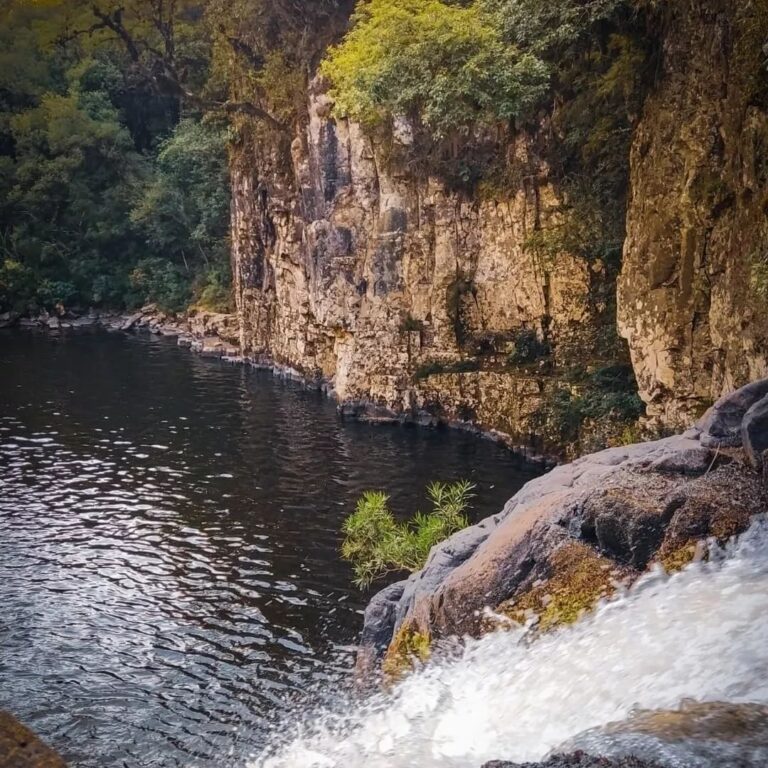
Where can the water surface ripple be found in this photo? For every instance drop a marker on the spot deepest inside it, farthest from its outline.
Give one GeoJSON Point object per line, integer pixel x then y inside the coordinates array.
{"type": "Point", "coordinates": [169, 570]}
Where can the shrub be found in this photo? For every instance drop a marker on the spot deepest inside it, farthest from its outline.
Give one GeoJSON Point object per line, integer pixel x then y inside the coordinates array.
{"type": "Point", "coordinates": [213, 290]}
{"type": "Point", "coordinates": [528, 347]}
{"type": "Point", "coordinates": [434, 367]}
{"type": "Point", "coordinates": [17, 285]}
{"type": "Point", "coordinates": [161, 282]}
{"type": "Point", "coordinates": [376, 544]}
{"type": "Point", "coordinates": [53, 292]}
{"type": "Point", "coordinates": [758, 274]}
{"type": "Point", "coordinates": [593, 411]}
{"type": "Point", "coordinates": [455, 296]}
{"type": "Point", "coordinates": [444, 64]}
{"type": "Point", "coordinates": [431, 368]}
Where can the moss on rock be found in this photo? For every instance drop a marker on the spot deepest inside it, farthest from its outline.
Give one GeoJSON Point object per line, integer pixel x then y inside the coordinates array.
{"type": "Point", "coordinates": [408, 648]}
{"type": "Point", "coordinates": [580, 578]}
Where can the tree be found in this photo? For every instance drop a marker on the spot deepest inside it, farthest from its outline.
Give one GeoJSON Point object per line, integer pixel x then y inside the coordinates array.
{"type": "Point", "coordinates": [442, 64]}
{"type": "Point", "coordinates": [74, 179]}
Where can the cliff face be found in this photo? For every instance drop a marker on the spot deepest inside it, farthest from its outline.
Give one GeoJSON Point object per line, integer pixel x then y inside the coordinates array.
{"type": "Point", "coordinates": [370, 276]}
{"type": "Point", "coordinates": [406, 296]}
{"type": "Point", "coordinates": [697, 213]}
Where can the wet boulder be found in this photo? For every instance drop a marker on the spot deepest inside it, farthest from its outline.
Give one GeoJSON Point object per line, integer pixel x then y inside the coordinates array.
{"type": "Point", "coordinates": [721, 424]}
{"type": "Point", "coordinates": [696, 735]}
{"type": "Point", "coordinates": [578, 760]}
{"type": "Point", "coordinates": [377, 627]}
{"type": "Point", "coordinates": [575, 535]}
{"type": "Point", "coordinates": [754, 433]}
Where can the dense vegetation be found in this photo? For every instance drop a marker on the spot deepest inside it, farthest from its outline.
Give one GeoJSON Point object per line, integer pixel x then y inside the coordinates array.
{"type": "Point", "coordinates": [114, 190]}
{"type": "Point", "coordinates": [376, 543]}
{"type": "Point", "coordinates": [446, 85]}
{"type": "Point", "coordinates": [115, 119]}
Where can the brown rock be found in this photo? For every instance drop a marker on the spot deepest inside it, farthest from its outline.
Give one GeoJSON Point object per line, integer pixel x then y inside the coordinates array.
{"type": "Point", "coordinates": [696, 216]}
{"type": "Point", "coordinates": [566, 538]}
{"type": "Point", "coordinates": [20, 748]}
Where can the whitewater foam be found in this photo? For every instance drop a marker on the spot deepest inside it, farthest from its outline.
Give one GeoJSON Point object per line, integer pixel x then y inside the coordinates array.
{"type": "Point", "coordinates": [699, 634]}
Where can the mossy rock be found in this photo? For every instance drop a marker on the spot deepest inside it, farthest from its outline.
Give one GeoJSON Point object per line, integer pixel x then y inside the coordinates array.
{"type": "Point", "coordinates": [408, 648]}
{"type": "Point", "coordinates": [581, 577]}
{"type": "Point", "coordinates": [674, 559]}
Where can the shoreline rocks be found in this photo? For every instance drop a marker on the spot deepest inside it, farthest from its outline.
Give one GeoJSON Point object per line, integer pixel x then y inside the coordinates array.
{"type": "Point", "coordinates": [577, 760]}
{"type": "Point", "coordinates": [566, 539]}
{"type": "Point", "coordinates": [21, 748]}
{"type": "Point", "coordinates": [217, 335]}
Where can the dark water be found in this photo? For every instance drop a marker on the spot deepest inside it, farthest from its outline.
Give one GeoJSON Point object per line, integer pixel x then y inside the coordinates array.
{"type": "Point", "coordinates": [169, 571]}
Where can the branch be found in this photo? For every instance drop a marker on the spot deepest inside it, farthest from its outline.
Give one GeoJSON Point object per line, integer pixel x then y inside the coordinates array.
{"type": "Point", "coordinates": [254, 57]}
{"type": "Point", "coordinates": [252, 110]}
{"type": "Point", "coordinates": [115, 23]}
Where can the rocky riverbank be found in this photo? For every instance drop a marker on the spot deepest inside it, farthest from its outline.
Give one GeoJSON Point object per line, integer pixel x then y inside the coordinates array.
{"type": "Point", "coordinates": [577, 534]}
{"type": "Point", "coordinates": [20, 748]}
{"type": "Point", "coordinates": [579, 760]}
{"type": "Point", "coordinates": [209, 333]}
{"type": "Point", "coordinates": [214, 334]}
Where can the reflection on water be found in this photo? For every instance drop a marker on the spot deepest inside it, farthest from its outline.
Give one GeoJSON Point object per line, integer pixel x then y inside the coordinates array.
{"type": "Point", "coordinates": [169, 571]}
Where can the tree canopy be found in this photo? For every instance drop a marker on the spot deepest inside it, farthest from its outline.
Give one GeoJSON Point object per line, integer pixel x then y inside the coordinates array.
{"type": "Point", "coordinates": [445, 64]}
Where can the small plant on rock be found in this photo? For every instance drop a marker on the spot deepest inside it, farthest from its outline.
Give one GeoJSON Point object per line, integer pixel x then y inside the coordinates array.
{"type": "Point", "coordinates": [376, 543]}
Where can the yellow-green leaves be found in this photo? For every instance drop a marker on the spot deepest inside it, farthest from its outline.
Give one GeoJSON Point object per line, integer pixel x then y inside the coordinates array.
{"type": "Point", "coordinates": [375, 543]}
{"type": "Point", "coordinates": [443, 64]}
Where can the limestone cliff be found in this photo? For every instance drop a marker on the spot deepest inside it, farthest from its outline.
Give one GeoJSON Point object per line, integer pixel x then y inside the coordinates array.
{"type": "Point", "coordinates": [403, 295]}
{"type": "Point", "coordinates": [697, 213]}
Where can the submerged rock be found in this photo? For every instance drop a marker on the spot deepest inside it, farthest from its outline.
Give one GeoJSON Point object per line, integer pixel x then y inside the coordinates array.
{"type": "Point", "coordinates": [20, 748]}
{"type": "Point", "coordinates": [697, 735]}
{"type": "Point", "coordinates": [575, 535]}
{"type": "Point", "coordinates": [577, 760]}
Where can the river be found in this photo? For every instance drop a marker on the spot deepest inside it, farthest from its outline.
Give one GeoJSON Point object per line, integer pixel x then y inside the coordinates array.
{"type": "Point", "coordinates": [169, 532]}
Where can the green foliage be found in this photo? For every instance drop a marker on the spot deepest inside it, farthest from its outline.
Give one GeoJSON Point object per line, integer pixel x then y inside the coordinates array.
{"type": "Point", "coordinates": [17, 285]}
{"type": "Point", "coordinates": [430, 368]}
{"type": "Point", "coordinates": [213, 289]}
{"type": "Point", "coordinates": [183, 212]}
{"type": "Point", "coordinates": [758, 273]}
{"type": "Point", "coordinates": [443, 64]}
{"type": "Point", "coordinates": [159, 281]}
{"type": "Point", "coordinates": [592, 410]}
{"type": "Point", "coordinates": [376, 543]}
{"type": "Point", "coordinates": [67, 208]}
{"type": "Point", "coordinates": [458, 291]}
{"type": "Point", "coordinates": [410, 323]}
{"type": "Point", "coordinates": [553, 28]}
{"type": "Point", "coordinates": [106, 196]}
{"type": "Point", "coordinates": [435, 367]}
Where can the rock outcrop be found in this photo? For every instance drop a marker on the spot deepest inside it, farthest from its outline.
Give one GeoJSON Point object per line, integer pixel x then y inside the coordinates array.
{"type": "Point", "coordinates": [567, 538]}
{"type": "Point", "coordinates": [577, 760]}
{"type": "Point", "coordinates": [214, 334]}
{"type": "Point", "coordinates": [404, 294]}
{"type": "Point", "coordinates": [696, 221]}
{"type": "Point", "coordinates": [697, 735]}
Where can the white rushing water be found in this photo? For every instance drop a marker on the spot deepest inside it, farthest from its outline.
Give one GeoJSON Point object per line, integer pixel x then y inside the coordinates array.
{"type": "Point", "coordinates": [700, 634]}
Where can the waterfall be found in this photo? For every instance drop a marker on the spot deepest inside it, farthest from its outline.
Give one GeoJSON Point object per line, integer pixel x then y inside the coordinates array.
{"type": "Point", "coordinates": [699, 634]}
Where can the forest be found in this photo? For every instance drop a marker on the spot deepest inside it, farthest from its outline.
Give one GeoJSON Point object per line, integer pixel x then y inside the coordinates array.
{"type": "Point", "coordinates": [116, 119]}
